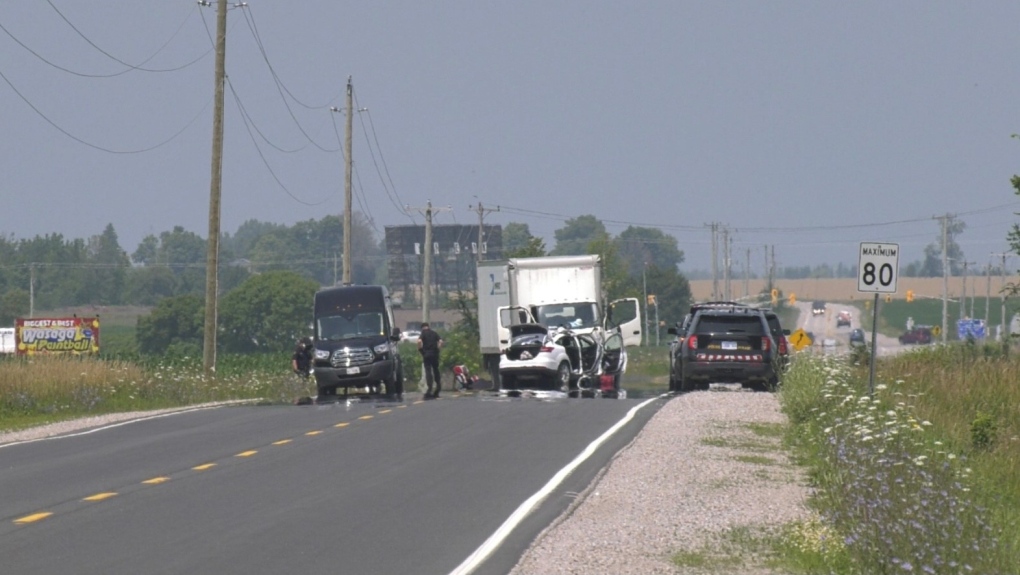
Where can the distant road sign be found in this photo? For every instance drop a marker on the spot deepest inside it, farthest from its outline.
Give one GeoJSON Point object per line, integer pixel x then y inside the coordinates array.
{"type": "Point", "coordinates": [800, 339]}
{"type": "Point", "coordinates": [878, 266]}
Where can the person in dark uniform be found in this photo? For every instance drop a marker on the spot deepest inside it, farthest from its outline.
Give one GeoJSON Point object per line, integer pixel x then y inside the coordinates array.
{"type": "Point", "coordinates": [429, 344]}
{"type": "Point", "coordinates": [301, 360]}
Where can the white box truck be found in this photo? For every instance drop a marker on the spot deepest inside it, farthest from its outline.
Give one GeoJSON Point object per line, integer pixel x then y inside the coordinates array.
{"type": "Point", "coordinates": [552, 291]}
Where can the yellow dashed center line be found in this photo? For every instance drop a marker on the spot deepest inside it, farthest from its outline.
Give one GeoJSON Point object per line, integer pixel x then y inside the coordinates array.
{"type": "Point", "coordinates": [204, 466]}
{"type": "Point", "coordinates": [156, 480]}
{"type": "Point", "coordinates": [385, 411]}
{"type": "Point", "coordinates": [313, 433]}
{"type": "Point", "coordinates": [282, 441]}
{"type": "Point", "coordinates": [32, 518]}
{"type": "Point", "coordinates": [344, 424]}
{"type": "Point", "coordinates": [366, 417]}
{"type": "Point", "coordinates": [246, 453]}
{"type": "Point", "coordinates": [99, 496]}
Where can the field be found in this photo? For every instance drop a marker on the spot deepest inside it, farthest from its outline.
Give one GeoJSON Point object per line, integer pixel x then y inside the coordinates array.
{"type": "Point", "coordinates": [845, 289]}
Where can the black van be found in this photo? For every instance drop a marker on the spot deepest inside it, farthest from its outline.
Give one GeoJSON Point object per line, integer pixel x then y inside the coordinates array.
{"type": "Point", "coordinates": [356, 341]}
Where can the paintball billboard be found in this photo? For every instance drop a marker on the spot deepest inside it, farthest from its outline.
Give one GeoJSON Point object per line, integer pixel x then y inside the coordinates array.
{"type": "Point", "coordinates": [75, 335]}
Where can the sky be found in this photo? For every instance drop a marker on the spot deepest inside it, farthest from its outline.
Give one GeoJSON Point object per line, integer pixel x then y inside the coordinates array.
{"type": "Point", "coordinates": [803, 127]}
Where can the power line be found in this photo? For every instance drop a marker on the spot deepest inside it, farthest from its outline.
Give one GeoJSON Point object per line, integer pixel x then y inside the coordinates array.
{"type": "Point", "coordinates": [124, 71]}
{"type": "Point", "coordinates": [245, 120]}
{"type": "Point", "coordinates": [96, 146]}
{"type": "Point", "coordinates": [130, 67]}
{"type": "Point", "coordinates": [280, 88]}
{"type": "Point", "coordinates": [374, 162]}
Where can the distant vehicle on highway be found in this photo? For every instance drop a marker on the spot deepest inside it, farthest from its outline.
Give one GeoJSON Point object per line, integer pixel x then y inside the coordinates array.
{"type": "Point", "coordinates": [818, 308]}
{"type": "Point", "coordinates": [843, 319]}
{"type": "Point", "coordinates": [857, 337]}
{"type": "Point", "coordinates": [920, 335]}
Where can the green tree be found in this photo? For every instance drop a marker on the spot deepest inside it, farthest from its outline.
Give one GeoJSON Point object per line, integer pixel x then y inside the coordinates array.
{"type": "Point", "coordinates": [106, 276]}
{"type": "Point", "coordinates": [534, 249]}
{"type": "Point", "coordinates": [672, 294]}
{"type": "Point", "coordinates": [175, 326]}
{"type": "Point", "coordinates": [932, 266]}
{"type": "Point", "coordinates": [13, 304]}
{"type": "Point", "coordinates": [268, 312]}
{"type": "Point", "coordinates": [517, 238]}
{"type": "Point", "coordinates": [641, 246]}
{"type": "Point", "coordinates": [576, 234]}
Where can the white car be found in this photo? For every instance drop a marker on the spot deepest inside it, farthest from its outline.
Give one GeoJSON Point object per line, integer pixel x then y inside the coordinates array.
{"type": "Point", "coordinates": [410, 335]}
{"type": "Point", "coordinates": [560, 360]}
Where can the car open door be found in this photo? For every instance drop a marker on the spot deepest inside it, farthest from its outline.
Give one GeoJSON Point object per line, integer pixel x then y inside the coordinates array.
{"type": "Point", "coordinates": [624, 315]}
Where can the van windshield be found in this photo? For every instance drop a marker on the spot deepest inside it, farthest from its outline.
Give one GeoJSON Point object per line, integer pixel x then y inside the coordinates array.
{"type": "Point", "coordinates": [340, 327]}
{"type": "Point", "coordinates": [572, 315]}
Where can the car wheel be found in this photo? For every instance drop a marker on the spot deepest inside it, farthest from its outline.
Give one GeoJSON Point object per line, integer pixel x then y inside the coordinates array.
{"type": "Point", "coordinates": [562, 381]}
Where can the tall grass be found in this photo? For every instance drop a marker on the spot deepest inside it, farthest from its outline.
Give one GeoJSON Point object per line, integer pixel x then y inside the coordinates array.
{"type": "Point", "coordinates": [47, 388]}
{"type": "Point", "coordinates": [922, 476]}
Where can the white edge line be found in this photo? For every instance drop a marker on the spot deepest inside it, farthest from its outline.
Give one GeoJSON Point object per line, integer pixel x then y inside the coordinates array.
{"type": "Point", "coordinates": [496, 539]}
{"type": "Point", "coordinates": [126, 422]}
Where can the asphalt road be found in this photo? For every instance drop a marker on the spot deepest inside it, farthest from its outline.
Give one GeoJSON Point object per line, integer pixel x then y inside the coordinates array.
{"type": "Point", "coordinates": [825, 331]}
{"type": "Point", "coordinates": [417, 487]}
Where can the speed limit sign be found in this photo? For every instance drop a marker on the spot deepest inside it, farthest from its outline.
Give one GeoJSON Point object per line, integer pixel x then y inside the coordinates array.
{"type": "Point", "coordinates": [878, 267]}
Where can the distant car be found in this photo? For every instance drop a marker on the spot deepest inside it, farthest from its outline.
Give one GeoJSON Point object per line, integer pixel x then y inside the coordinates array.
{"type": "Point", "coordinates": [919, 335]}
{"type": "Point", "coordinates": [410, 335]}
{"type": "Point", "coordinates": [843, 319]}
{"type": "Point", "coordinates": [818, 308]}
{"type": "Point", "coordinates": [857, 337]}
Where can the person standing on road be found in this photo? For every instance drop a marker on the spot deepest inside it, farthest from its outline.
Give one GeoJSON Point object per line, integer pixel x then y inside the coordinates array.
{"type": "Point", "coordinates": [429, 344]}
{"type": "Point", "coordinates": [301, 360]}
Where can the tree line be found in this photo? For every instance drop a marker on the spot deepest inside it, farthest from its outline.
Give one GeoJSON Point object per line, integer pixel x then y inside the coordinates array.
{"type": "Point", "coordinates": [269, 272]}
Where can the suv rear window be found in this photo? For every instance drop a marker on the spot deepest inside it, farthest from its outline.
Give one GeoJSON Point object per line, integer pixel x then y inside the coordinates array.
{"type": "Point", "coordinates": [744, 324]}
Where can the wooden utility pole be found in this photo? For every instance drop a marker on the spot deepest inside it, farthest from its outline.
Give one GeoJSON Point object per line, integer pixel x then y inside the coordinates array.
{"type": "Point", "coordinates": [715, 258]}
{"type": "Point", "coordinates": [349, 168]}
{"type": "Point", "coordinates": [726, 263]}
{"type": "Point", "coordinates": [481, 211]}
{"type": "Point", "coordinates": [213, 242]}
{"type": "Point", "coordinates": [426, 276]}
{"type": "Point", "coordinates": [945, 274]}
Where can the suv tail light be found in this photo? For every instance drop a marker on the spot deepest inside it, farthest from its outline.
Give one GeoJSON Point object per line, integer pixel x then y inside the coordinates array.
{"type": "Point", "coordinates": [692, 342]}
{"type": "Point", "coordinates": [766, 344]}
{"type": "Point", "coordinates": [782, 345]}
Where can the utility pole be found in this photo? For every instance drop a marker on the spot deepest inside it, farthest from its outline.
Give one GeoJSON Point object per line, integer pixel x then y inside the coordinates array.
{"type": "Point", "coordinates": [213, 243]}
{"type": "Point", "coordinates": [348, 169]}
{"type": "Point", "coordinates": [1004, 326]}
{"type": "Point", "coordinates": [726, 264]}
{"type": "Point", "coordinates": [945, 274]}
{"type": "Point", "coordinates": [481, 211]}
{"type": "Point", "coordinates": [747, 274]}
{"type": "Point", "coordinates": [644, 289]}
{"type": "Point", "coordinates": [426, 280]}
{"type": "Point", "coordinates": [988, 291]}
{"type": "Point", "coordinates": [715, 258]}
{"type": "Point", "coordinates": [31, 290]}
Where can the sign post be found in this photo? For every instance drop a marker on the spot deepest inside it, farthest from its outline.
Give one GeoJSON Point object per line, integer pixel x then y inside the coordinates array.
{"type": "Point", "coordinates": [878, 266]}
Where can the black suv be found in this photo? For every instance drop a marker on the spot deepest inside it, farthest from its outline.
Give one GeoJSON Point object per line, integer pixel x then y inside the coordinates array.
{"type": "Point", "coordinates": [726, 344]}
{"type": "Point", "coordinates": [680, 329]}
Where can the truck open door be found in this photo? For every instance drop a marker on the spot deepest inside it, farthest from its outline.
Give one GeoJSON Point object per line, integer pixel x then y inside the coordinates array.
{"type": "Point", "coordinates": [625, 315]}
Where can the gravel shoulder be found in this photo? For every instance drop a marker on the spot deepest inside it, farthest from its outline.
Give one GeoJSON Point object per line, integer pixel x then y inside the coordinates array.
{"type": "Point", "coordinates": [700, 467]}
